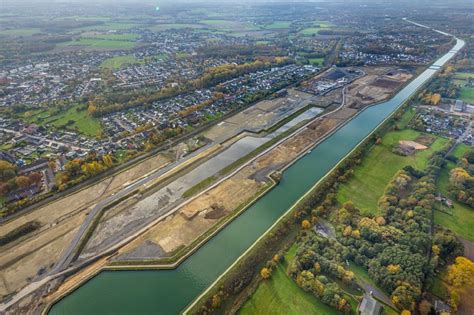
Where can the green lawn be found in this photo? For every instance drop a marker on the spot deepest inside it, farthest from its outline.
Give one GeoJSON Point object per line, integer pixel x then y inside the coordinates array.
{"type": "Point", "coordinates": [379, 166]}
{"type": "Point", "coordinates": [278, 25]}
{"type": "Point", "coordinates": [461, 219]}
{"type": "Point", "coordinates": [262, 42]}
{"type": "Point", "coordinates": [100, 43]}
{"type": "Point", "coordinates": [82, 121]}
{"type": "Point", "coordinates": [460, 150]}
{"type": "Point", "coordinates": [281, 295]}
{"type": "Point", "coordinates": [406, 118]}
{"type": "Point", "coordinates": [467, 94]}
{"type": "Point", "coordinates": [118, 62]}
{"type": "Point", "coordinates": [20, 32]}
{"type": "Point", "coordinates": [316, 61]}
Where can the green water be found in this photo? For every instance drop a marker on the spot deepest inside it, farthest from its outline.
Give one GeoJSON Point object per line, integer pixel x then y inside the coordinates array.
{"type": "Point", "coordinates": [170, 291]}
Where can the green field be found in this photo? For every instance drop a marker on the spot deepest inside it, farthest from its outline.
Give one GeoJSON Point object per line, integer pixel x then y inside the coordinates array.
{"type": "Point", "coordinates": [100, 43]}
{"type": "Point", "coordinates": [467, 94]}
{"type": "Point", "coordinates": [216, 22]}
{"type": "Point", "coordinates": [281, 295]}
{"type": "Point", "coordinates": [119, 61]}
{"type": "Point", "coordinates": [163, 27]}
{"type": "Point", "coordinates": [460, 218]}
{"type": "Point", "coordinates": [124, 37]}
{"type": "Point", "coordinates": [316, 61]}
{"type": "Point", "coordinates": [315, 29]}
{"type": "Point", "coordinates": [110, 26]}
{"type": "Point", "coordinates": [262, 42]}
{"type": "Point", "coordinates": [81, 120]}
{"type": "Point", "coordinates": [463, 75]}
{"type": "Point", "coordinates": [277, 25]}
{"type": "Point", "coordinates": [20, 32]}
{"type": "Point", "coordinates": [460, 150]}
{"type": "Point", "coordinates": [378, 168]}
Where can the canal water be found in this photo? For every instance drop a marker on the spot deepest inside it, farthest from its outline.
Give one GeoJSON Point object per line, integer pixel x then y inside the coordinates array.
{"type": "Point", "coordinates": [170, 291]}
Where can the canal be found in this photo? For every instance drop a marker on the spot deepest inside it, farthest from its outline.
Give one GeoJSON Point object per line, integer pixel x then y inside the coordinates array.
{"type": "Point", "coordinates": [170, 291]}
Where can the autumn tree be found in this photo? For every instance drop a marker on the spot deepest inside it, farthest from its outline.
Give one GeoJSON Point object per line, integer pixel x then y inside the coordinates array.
{"type": "Point", "coordinates": [265, 273]}
{"type": "Point", "coordinates": [305, 224]}
{"type": "Point", "coordinates": [460, 275]}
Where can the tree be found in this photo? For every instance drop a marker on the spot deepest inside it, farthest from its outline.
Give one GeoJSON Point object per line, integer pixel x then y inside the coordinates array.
{"type": "Point", "coordinates": [22, 181]}
{"type": "Point", "coordinates": [305, 224]}
{"type": "Point", "coordinates": [459, 276]}
{"type": "Point", "coordinates": [35, 177]}
{"type": "Point", "coordinates": [216, 301]}
{"type": "Point", "coordinates": [424, 307]}
{"type": "Point", "coordinates": [265, 273]}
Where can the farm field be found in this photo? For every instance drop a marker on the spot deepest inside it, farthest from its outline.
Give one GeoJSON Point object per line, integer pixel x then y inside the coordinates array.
{"type": "Point", "coordinates": [110, 26]}
{"type": "Point", "coordinates": [309, 31]}
{"type": "Point", "coordinates": [277, 25]}
{"type": "Point", "coordinates": [20, 32]}
{"type": "Point", "coordinates": [163, 27]}
{"type": "Point", "coordinates": [378, 168]}
{"type": "Point", "coordinates": [100, 43]}
{"type": "Point", "coordinates": [281, 295]}
{"type": "Point", "coordinates": [126, 37]}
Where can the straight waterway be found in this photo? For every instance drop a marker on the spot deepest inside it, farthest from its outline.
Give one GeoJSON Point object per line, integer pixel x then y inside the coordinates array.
{"type": "Point", "coordinates": [170, 291]}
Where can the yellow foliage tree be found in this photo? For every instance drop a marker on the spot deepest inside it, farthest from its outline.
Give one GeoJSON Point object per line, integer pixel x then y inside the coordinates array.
{"type": "Point", "coordinates": [265, 273]}
{"type": "Point", "coordinates": [459, 276]}
{"type": "Point", "coordinates": [305, 224]}
{"type": "Point", "coordinates": [393, 268]}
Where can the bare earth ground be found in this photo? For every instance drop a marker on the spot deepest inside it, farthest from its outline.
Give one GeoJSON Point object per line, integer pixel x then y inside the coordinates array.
{"type": "Point", "coordinates": [23, 259]}
{"type": "Point", "coordinates": [376, 86]}
{"type": "Point", "coordinates": [261, 116]}
{"type": "Point", "coordinates": [191, 220]}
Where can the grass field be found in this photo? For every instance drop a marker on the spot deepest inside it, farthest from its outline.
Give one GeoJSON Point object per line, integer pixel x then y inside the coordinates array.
{"type": "Point", "coordinates": [460, 150]}
{"type": "Point", "coordinates": [463, 75]}
{"type": "Point", "coordinates": [281, 295]}
{"type": "Point", "coordinates": [100, 43]}
{"type": "Point", "coordinates": [461, 217]}
{"type": "Point", "coordinates": [82, 121]}
{"type": "Point", "coordinates": [125, 37]}
{"type": "Point", "coordinates": [118, 62]}
{"type": "Point", "coordinates": [216, 22]}
{"type": "Point", "coordinates": [315, 29]}
{"type": "Point", "coordinates": [467, 94]}
{"type": "Point", "coordinates": [378, 168]}
{"type": "Point", "coordinates": [20, 32]}
{"type": "Point", "coordinates": [262, 42]}
{"type": "Point", "coordinates": [277, 25]}
{"type": "Point", "coordinates": [110, 26]}
{"type": "Point", "coordinates": [316, 61]}
{"type": "Point", "coordinates": [163, 27]}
